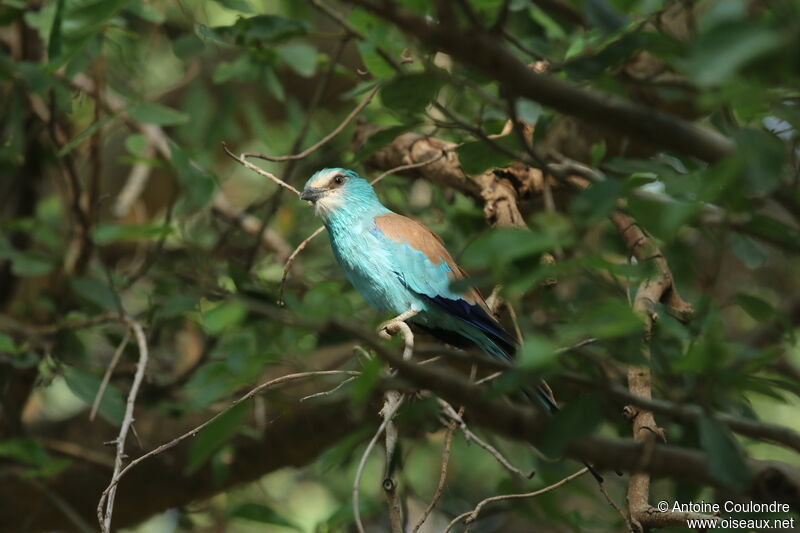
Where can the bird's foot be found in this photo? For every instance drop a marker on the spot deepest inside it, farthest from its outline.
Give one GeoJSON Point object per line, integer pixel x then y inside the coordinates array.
{"type": "Point", "coordinates": [398, 325]}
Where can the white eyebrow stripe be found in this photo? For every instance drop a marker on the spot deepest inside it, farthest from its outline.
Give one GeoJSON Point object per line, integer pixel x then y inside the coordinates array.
{"type": "Point", "coordinates": [323, 179]}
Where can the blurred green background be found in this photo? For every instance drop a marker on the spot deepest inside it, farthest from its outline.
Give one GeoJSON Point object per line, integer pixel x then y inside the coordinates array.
{"type": "Point", "coordinates": [116, 191]}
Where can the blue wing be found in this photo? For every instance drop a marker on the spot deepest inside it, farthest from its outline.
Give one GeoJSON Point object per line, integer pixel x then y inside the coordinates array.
{"type": "Point", "coordinates": [425, 267]}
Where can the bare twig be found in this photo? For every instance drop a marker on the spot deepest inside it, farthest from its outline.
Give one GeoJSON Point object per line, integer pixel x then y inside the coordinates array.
{"type": "Point", "coordinates": [104, 517]}
{"type": "Point", "coordinates": [472, 437]}
{"type": "Point", "coordinates": [136, 182]}
{"type": "Point", "coordinates": [269, 239]}
{"type": "Point", "coordinates": [387, 418]}
{"type": "Point", "coordinates": [393, 398]}
{"type": "Point", "coordinates": [290, 261]}
{"type": "Point", "coordinates": [329, 391]}
{"type": "Point", "coordinates": [471, 516]}
{"type": "Point", "coordinates": [349, 28]}
{"type": "Point", "coordinates": [242, 161]}
{"type": "Point", "coordinates": [409, 166]}
{"type": "Point", "coordinates": [448, 442]}
{"type": "Point", "coordinates": [191, 433]}
{"type": "Point", "coordinates": [325, 140]}
{"type": "Point", "coordinates": [107, 376]}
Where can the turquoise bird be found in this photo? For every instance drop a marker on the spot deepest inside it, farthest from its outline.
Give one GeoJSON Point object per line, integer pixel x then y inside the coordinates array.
{"type": "Point", "coordinates": [400, 266]}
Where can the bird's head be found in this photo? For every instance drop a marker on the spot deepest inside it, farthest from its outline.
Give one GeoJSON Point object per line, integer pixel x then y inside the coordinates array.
{"type": "Point", "coordinates": [335, 190]}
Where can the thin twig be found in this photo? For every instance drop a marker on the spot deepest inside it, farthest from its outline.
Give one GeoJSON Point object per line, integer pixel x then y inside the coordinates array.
{"type": "Point", "coordinates": [325, 140]}
{"type": "Point", "coordinates": [105, 518]}
{"type": "Point", "coordinates": [408, 167]}
{"type": "Point", "coordinates": [387, 417]}
{"type": "Point", "coordinates": [107, 376]}
{"type": "Point", "coordinates": [329, 391]}
{"type": "Point", "coordinates": [448, 442]}
{"type": "Point", "coordinates": [633, 527]}
{"type": "Point", "coordinates": [342, 21]}
{"type": "Point", "coordinates": [471, 516]}
{"type": "Point", "coordinates": [63, 505]}
{"type": "Point", "coordinates": [242, 161]}
{"type": "Point", "coordinates": [290, 261]}
{"type": "Point", "coordinates": [191, 433]}
{"type": "Point", "coordinates": [470, 436]}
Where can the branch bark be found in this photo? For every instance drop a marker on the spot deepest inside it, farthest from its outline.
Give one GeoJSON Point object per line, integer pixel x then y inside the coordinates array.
{"type": "Point", "coordinates": [162, 483]}
{"type": "Point", "coordinates": [770, 480]}
{"type": "Point", "coordinates": [488, 54]}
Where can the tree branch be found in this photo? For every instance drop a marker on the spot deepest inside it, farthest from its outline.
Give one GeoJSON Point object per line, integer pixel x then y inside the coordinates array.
{"type": "Point", "coordinates": [487, 54]}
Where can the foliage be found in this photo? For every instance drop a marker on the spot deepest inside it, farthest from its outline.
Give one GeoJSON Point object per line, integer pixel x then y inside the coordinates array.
{"type": "Point", "coordinates": [99, 94]}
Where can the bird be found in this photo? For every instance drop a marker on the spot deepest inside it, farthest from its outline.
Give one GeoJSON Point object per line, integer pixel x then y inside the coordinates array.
{"type": "Point", "coordinates": [400, 266]}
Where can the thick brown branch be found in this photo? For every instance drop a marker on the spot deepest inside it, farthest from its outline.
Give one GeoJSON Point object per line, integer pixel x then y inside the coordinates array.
{"type": "Point", "coordinates": [162, 482]}
{"type": "Point", "coordinates": [769, 479]}
{"type": "Point", "coordinates": [486, 53]}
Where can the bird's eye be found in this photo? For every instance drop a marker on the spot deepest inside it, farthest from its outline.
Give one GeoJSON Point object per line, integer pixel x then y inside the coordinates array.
{"type": "Point", "coordinates": [338, 180]}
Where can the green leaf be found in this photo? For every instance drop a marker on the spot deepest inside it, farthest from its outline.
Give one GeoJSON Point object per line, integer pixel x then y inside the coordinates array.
{"type": "Point", "coordinates": [24, 450]}
{"type": "Point", "coordinates": [274, 84]}
{"type": "Point", "coordinates": [719, 54]}
{"type": "Point", "coordinates": [108, 233]}
{"type": "Point", "coordinates": [85, 134]}
{"type": "Point", "coordinates": [213, 436]}
{"type": "Point", "coordinates": [528, 111]}
{"type": "Point", "coordinates": [7, 344]}
{"type": "Point", "coordinates": [55, 41]}
{"type": "Point", "coordinates": [607, 319]}
{"type": "Point", "coordinates": [479, 156]}
{"type": "Point", "coordinates": [187, 46]}
{"type": "Point", "coordinates": [95, 291]}
{"type": "Point", "coordinates": [136, 144]}
{"type": "Point", "coordinates": [749, 252]}
{"type": "Point", "coordinates": [576, 419]}
{"type": "Point", "coordinates": [224, 316]}
{"type": "Point", "coordinates": [725, 460]}
{"type": "Point", "coordinates": [257, 32]}
{"type": "Point", "coordinates": [197, 184]}
{"type": "Point", "coordinates": [596, 202]}
{"type": "Point", "coordinates": [503, 245]}
{"type": "Point", "coordinates": [151, 113]}
{"type": "Point", "coordinates": [302, 58]}
{"type": "Point", "coordinates": [536, 352]}
{"type": "Point", "coordinates": [410, 93]}
{"type": "Point", "coordinates": [763, 157]}
{"type": "Point", "coordinates": [757, 308]}
{"type": "Point", "coordinates": [177, 305]}
{"type": "Point", "coordinates": [365, 383]}
{"type": "Point", "coordinates": [374, 63]}
{"type": "Point", "coordinates": [261, 513]}
{"type": "Point", "coordinates": [598, 152]}
{"type": "Point", "coordinates": [85, 386]}
{"type": "Point", "coordinates": [30, 264]}
{"type": "Point", "coordinates": [236, 5]}
{"type": "Point", "coordinates": [378, 140]}
{"type": "Point", "coordinates": [604, 16]}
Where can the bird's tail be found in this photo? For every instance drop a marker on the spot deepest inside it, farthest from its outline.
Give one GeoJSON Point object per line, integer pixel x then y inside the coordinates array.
{"type": "Point", "coordinates": [473, 324]}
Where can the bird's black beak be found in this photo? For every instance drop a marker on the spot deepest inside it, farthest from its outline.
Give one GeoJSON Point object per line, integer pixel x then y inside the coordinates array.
{"type": "Point", "coordinates": [312, 194]}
